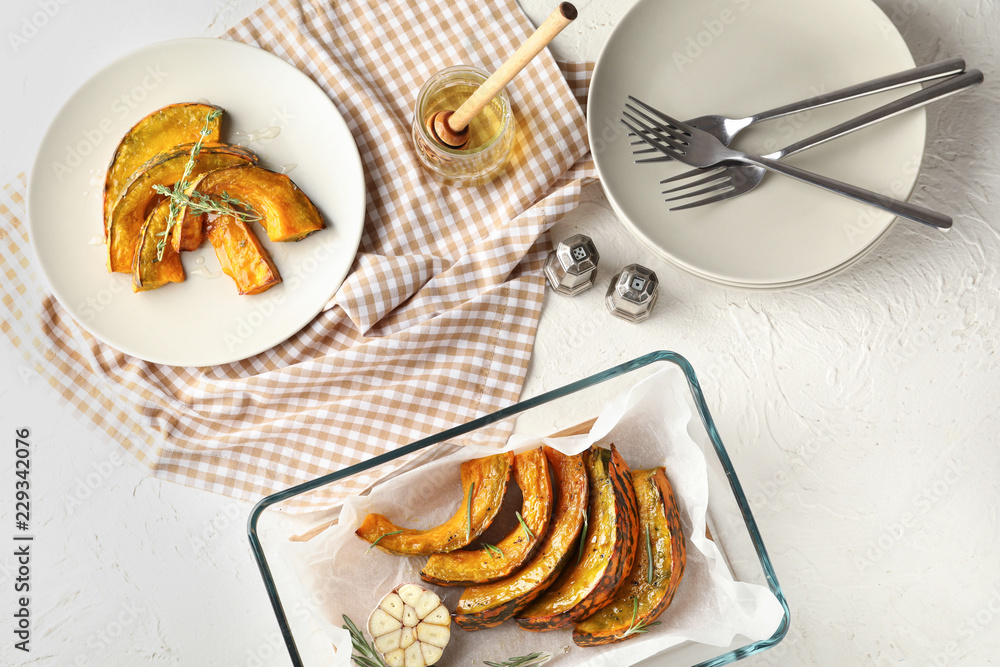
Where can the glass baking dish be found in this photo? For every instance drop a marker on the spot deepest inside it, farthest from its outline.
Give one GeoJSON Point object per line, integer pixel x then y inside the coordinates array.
{"type": "Point", "coordinates": [299, 513]}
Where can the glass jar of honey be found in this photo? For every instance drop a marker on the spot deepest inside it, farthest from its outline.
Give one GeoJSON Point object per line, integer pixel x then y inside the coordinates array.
{"type": "Point", "coordinates": [491, 131]}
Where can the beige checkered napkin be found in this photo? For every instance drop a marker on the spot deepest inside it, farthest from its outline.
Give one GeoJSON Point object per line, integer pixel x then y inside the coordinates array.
{"type": "Point", "coordinates": [448, 340]}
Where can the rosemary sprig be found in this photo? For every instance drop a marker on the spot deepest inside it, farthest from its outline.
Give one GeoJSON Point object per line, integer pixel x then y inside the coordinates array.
{"type": "Point", "coordinates": [468, 513]}
{"type": "Point", "coordinates": [530, 660]}
{"type": "Point", "coordinates": [365, 654]}
{"type": "Point", "coordinates": [527, 530]}
{"type": "Point", "coordinates": [395, 532]}
{"type": "Point", "coordinates": [636, 628]}
{"type": "Point", "coordinates": [181, 185]}
{"type": "Point", "coordinates": [649, 559]}
{"type": "Point", "coordinates": [494, 550]}
{"type": "Point", "coordinates": [583, 538]}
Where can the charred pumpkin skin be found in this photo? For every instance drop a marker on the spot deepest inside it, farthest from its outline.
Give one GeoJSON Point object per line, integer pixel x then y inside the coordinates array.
{"type": "Point", "coordinates": [608, 553]}
{"type": "Point", "coordinates": [138, 197]}
{"type": "Point", "coordinates": [242, 256]}
{"type": "Point", "coordinates": [531, 472]}
{"type": "Point", "coordinates": [285, 211]}
{"type": "Point", "coordinates": [658, 512]}
{"type": "Point", "coordinates": [490, 476]}
{"type": "Point", "coordinates": [157, 133]}
{"type": "Point", "coordinates": [147, 272]}
{"type": "Point", "coordinates": [490, 605]}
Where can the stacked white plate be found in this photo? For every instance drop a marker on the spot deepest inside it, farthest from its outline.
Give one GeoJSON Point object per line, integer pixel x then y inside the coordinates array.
{"type": "Point", "coordinates": [737, 58]}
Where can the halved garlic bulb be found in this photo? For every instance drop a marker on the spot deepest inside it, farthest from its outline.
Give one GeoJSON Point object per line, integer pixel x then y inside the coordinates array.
{"type": "Point", "coordinates": [410, 627]}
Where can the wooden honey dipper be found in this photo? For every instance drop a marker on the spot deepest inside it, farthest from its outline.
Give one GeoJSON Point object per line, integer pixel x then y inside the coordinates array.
{"type": "Point", "coordinates": [451, 128]}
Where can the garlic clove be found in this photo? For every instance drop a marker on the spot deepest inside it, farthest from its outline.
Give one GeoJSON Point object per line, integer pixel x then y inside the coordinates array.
{"type": "Point", "coordinates": [431, 653]}
{"type": "Point", "coordinates": [392, 604]}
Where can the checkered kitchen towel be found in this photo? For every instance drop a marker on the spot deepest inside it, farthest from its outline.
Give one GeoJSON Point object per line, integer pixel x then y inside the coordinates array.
{"type": "Point", "coordinates": [377, 368]}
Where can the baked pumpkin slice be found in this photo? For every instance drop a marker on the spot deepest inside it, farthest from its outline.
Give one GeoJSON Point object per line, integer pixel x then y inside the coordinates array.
{"type": "Point", "coordinates": [484, 483]}
{"type": "Point", "coordinates": [460, 567]}
{"type": "Point", "coordinates": [285, 212]}
{"type": "Point", "coordinates": [148, 272]}
{"type": "Point", "coordinates": [490, 605]}
{"type": "Point", "coordinates": [656, 573]}
{"type": "Point", "coordinates": [242, 256]}
{"type": "Point", "coordinates": [157, 133]}
{"type": "Point", "coordinates": [139, 196]}
{"type": "Point", "coordinates": [608, 548]}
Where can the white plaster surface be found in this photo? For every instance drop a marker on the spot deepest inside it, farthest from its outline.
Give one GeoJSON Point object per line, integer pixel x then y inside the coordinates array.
{"type": "Point", "coordinates": [861, 412]}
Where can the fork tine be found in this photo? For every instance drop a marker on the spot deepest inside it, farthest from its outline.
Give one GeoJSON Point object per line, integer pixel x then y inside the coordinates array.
{"type": "Point", "coordinates": [656, 133]}
{"type": "Point", "coordinates": [662, 146]}
{"type": "Point", "coordinates": [716, 175]}
{"type": "Point", "coordinates": [656, 126]}
{"type": "Point", "coordinates": [683, 127]}
{"type": "Point", "coordinates": [716, 187]}
{"type": "Point", "coordinates": [659, 158]}
{"type": "Point", "coordinates": [710, 200]}
{"type": "Point", "coordinates": [688, 174]}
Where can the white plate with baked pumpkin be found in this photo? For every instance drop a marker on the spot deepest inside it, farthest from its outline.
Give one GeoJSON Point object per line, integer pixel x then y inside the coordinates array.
{"type": "Point", "coordinates": [294, 128]}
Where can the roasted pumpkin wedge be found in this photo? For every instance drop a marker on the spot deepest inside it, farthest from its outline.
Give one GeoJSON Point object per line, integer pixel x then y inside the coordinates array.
{"type": "Point", "coordinates": [157, 133]}
{"type": "Point", "coordinates": [608, 550]}
{"type": "Point", "coordinates": [189, 234]}
{"type": "Point", "coordinates": [531, 472]}
{"type": "Point", "coordinates": [242, 256]}
{"type": "Point", "coordinates": [484, 483]}
{"type": "Point", "coordinates": [138, 197]}
{"type": "Point", "coordinates": [490, 605]}
{"type": "Point", "coordinates": [147, 271]}
{"type": "Point", "coordinates": [656, 573]}
{"type": "Point", "coordinates": [285, 211]}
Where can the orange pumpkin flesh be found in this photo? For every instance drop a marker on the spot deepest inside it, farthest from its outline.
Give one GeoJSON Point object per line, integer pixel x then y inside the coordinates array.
{"type": "Point", "coordinates": [138, 197]}
{"type": "Point", "coordinates": [657, 512]}
{"type": "Point", "coordinates": [148, 272]}
{"type": "Point", "coordinates": [531, 472]}
{"type": "Point", "coordinates": [485, 479]}
{"type": "Point", "coordinates": [242, 256]}
{"type": "Point", "coordinates": [285, 211]}
{"type": "Point", "coordinates": [157, 133]}
{"type": "Point", "coordinates": [608, 553]}
{"type": "Point", "coordinates": [490, 605]}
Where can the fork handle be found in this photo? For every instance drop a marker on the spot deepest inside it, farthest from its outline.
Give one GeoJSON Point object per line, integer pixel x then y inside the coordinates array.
{"type": "Point", "coordinates": [912, 101]}
{"type": "Point", "coordinates": [894, 206]}
{"type": "Point", "coordinates": [916, 75]}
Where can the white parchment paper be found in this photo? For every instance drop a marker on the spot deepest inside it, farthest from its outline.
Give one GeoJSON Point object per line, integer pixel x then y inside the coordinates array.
{"type": "Point", "coordinates": [649, 426]}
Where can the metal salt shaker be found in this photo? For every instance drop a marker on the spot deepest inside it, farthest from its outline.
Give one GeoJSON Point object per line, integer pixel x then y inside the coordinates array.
{"type": "Point", "coordinates": [572, 266]}
{"type": "Point", "coordinates": [632, 293]}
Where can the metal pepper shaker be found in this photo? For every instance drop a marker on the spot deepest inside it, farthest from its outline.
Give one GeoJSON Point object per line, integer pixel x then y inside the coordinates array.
{"type": "Point", "coordinates": [632, 293]}
{"type": "Point", "coordinates": [572, 266]}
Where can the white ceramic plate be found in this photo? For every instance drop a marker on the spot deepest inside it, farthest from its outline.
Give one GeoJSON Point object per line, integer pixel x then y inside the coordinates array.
{"type": "Point", "coordinates": [202, 321]}
{"type": "Point", "coordinates": [736, 58]}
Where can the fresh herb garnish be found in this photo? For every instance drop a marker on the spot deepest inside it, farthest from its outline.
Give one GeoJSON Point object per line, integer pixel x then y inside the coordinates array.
{"type": "Point", "coordinates": [649, 558]}
{"type": "Point", "coordinates": [198, 203]}
{"type": "Point", "coordinates": [494, 550]}
{"type": "Point", "coordinates": [583, 538]}
{"type": "Point", "coordinates": [181, 185]}
{"type": "Point", "coordinates": [395, 532]}
{"type": "Point", "coordinates": [636, 628]}
{"type": "Point", "coordinates": [530, 660]}
{"type": "Point", "coordinates": [468, 511]}
{"type": "Point", "coordinates": [527, 530]}
{"type": "Point", "coordinates": [365, 654]}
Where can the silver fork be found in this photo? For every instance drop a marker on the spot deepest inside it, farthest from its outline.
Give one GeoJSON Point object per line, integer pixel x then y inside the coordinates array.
{"type": "Point", "coordinates": [698, 148]}
{"type": "Point", "coordinates": [726, 129]}
{"type": "Point", "coordinates": [732, 180]}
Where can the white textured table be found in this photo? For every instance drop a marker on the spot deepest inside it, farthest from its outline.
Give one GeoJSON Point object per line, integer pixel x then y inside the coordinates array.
{"type": "Point", "coordinates": [862, 412]}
